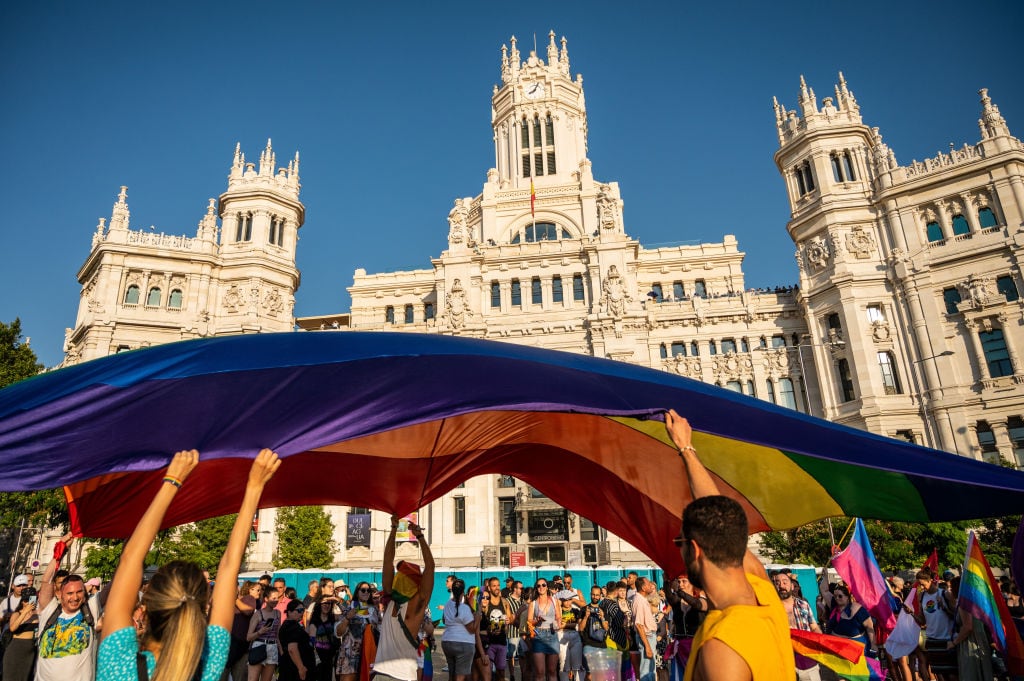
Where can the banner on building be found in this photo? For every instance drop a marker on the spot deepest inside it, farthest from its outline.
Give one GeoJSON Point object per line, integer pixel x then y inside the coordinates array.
{"type": "Point", "coordinates": [358, 533]}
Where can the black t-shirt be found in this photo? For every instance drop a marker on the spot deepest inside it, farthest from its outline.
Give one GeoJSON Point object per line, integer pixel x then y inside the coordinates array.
{"type": "Point", "coordinates": [493, 623]}
{"type": "Point", "coordinates": [292, 632]}
{"type": "Point", "coordinates": [594, 627]}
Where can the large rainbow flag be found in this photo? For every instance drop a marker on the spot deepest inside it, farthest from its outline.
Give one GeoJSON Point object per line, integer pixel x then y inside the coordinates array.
{"type": "Point", "coordinates": [980, 595]}
{"type": "Point", "coordinates": [417, 414]}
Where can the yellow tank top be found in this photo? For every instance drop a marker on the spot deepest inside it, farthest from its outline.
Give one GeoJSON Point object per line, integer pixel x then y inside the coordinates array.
{"type": "Point", "coordinates": [758, 633]}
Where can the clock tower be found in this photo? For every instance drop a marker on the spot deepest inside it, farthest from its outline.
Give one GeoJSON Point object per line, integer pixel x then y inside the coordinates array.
{"type": "Point", "coordinates": [539, 118]}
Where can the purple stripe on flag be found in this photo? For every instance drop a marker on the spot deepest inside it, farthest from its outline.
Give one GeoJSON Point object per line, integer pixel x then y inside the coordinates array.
{"type": "Point", "coordinates": [1017, 558]}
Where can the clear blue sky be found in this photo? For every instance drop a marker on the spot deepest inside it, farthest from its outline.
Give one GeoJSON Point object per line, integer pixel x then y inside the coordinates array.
{"type": "Point", "coordinates": [389, 105]}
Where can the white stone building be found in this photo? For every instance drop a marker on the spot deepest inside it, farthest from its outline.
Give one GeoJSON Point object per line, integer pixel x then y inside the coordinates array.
{"type": "Point", "coordinates": [906, 320]}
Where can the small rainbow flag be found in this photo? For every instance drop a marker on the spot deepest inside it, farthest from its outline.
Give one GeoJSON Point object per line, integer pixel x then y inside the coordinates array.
{"type": "Point", "coordinates": [533, 198]}
{"type": "Point", "coordinates": [473, 598]}
{"type": "Point", "coordinates": [428, 663]}
{"type": "Point", "coordinates": [406, 581]}
{"type": "Point", "coordinates": [843, 656]}
{"type": "Point", "coordinates": [980, 596]}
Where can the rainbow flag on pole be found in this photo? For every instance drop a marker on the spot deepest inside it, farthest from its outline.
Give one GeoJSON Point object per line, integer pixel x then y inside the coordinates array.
{"type": "Point", "coordinates": [843, 656]}
{"type": "Point", "coordinates": [533, 198]}
{"type": "Point", "coordinates": [980, 596]}
{"type": "Point", "coordinates": [857, 566]}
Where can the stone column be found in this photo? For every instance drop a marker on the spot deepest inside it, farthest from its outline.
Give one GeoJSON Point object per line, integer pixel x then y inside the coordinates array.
{"type": "Point", "coordinates": [975, 345]}
{"type": "Point", "coordinates": [970, 212]}
{"type": "Point", "coordinates": [1011, 345]}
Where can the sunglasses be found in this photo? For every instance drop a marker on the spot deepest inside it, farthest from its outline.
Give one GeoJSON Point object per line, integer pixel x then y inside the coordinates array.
{"type": "Point", "coordinates": [678, 540]}
{"type": "Point", "coordinates": [299, 610]}
{"type": "Point", "coordinates": [363, 590]}
{"type": "Point", "coordinates": [542, 585]}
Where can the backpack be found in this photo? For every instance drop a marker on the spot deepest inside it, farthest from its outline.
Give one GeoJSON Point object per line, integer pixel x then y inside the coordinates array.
{"type": "Point", "coordinates": [55, 615]}
{"type": "Point", "coordinates": [595, 630]}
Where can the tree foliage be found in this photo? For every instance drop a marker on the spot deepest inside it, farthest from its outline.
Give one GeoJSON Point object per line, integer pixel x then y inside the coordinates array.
{"type": "Point", "coordinates": [17, 360]}
{"type": "Point", "coordinates": [202, 542]}
{"type": "Point", "coordinates": [305, 538]}
{"type": "Point", "coordinates": [897, 546]}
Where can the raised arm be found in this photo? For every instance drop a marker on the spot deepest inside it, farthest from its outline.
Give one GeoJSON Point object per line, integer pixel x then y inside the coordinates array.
{"type": "Point", "coordinates": [45, 594]}
{"type": "Point", "coordinates": [222, 610]}
{"type": "Point", "coordinates": [388, 570]}
{"type": "Point", "coordinates": [420, 601]}
{"type": "Point", "coordinates": [701, 482]}
{"type": "Point", "coordinates": [124, 589]}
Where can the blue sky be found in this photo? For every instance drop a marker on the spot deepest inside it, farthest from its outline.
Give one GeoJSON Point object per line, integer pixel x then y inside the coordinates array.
{"type": "Point", "coordinates": [389, 106]}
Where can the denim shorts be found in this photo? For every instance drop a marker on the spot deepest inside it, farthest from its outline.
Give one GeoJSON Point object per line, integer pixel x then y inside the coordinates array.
{"type": "Point", "coordinates": [546, 642]}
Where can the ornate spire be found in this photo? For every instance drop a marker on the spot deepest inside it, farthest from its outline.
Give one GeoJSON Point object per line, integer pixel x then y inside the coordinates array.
{"type": "Point", "coordinates": [514, 60]}
{"type": "Point", "coordinates": [552, 50]}
{"type": "Point", "coordinates": [845, 96]}
{"type": "Point", "coordinates": [504, 64]}
{"type": "Point", "coordinates": [119, 217]}
{"type": "Point", "coordinates": [992, 123]}
{"type": "Point", "coordinates": [563, 57]}
{"type": "Point", "coordinates": [267, 160]}
{"type": "Point", "coordinates": [882, 156]}
{"type": "Point", "coordinates": [208, 225]}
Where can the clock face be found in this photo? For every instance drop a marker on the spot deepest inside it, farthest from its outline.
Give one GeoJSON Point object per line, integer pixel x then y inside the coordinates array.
{"type": "Point", "coordinates": [535, 90]}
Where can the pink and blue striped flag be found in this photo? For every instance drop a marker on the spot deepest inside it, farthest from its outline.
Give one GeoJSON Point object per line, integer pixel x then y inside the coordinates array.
{"type": "Point", "coordinates": [980, 596]}
{"type": "Point", "coordinates": [857, 566]}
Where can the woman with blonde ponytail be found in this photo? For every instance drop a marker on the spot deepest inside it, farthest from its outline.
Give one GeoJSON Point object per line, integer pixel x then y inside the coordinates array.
{"type": "Point", "coordinates": [179, 643]}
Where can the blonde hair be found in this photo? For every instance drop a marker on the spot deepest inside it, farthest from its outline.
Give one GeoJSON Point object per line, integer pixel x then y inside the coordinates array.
{"type": "Point", "coordinates": [176, 604]}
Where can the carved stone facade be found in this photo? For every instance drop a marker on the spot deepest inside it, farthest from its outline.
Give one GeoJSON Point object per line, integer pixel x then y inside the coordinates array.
{"type": "Point", "coordinates": [141, 288]}
{"type": "Point", "coordinates": [916, 327]}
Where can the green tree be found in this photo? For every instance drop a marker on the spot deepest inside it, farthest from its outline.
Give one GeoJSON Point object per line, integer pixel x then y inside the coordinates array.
{"type": "Point", "coordinates": [897, 545]}
{"type": "Point", "coordinates": [17, 360]}
{"type": "Point", "coordinates": [304, 538]}
{"type": "Point", "coordinates": [202, 542]}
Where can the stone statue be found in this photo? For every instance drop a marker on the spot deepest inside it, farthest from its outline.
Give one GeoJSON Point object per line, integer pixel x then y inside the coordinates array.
{"type": "Point", "coordinates": [614, 296]}
{"type": "Point", "coordinates": [606, 213]}
{"type": "Point", "coordinates": [457, 306]}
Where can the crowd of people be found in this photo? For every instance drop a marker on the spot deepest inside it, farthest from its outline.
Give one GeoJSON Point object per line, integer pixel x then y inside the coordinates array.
{"type": "Point", "coordinates": [725, 618]}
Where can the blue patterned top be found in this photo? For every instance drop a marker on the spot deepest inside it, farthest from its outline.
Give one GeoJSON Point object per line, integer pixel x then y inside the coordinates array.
{"type": "Point", "coordinates": [117, 657]}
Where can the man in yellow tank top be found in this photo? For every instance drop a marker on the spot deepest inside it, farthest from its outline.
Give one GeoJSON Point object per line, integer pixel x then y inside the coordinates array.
{"type": "Point", "coordinates": [746, 633]}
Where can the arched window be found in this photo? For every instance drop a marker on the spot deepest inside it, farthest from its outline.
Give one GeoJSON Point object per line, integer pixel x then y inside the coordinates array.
{"type": "Point", "coordinates": [787, 396]}
{"type": "Point", "coordinates": [243, 232]}
{"type": "Point", "coordinates": [694, 349]}
{"type": "Point", "coordinates": [410, 314]}
{"type": "Point", "coordinates": [712, 348]}
{"type": "Point", "coordinates": [556, 289]}
{"type": "Point", "coordinates": [663, 351]}
{"type": "Point", "coordinates": [748, 388]}
{"type": "Point", "coordinates": [837, 172]}
{"type": "Point", "coordinates": [960, 225]}
{"type": "Point", "coordinates": [656, 293]}
{"type": "Point", "coordinates": [577, 288]}
{"type": "Point", "coordinates": [890, 379]}
{"type": "Point", "coordinates": [549, 140]}
{"type": "Point", "coordinates": [679, 348]}
{"type": "Point", "coordinates": [700, 289]}
{"type": "Point", "coordinates": [728, 345]}
{"type": "Point", "coordinates": [770, 389]}
{"type": "Point", "coordinates": [389, 315]}
{"type": "Point", "coordinates": [997, 355]}
{"type": "Point", "coordinates": [131, 296]}
{"type": "Point", "coordinates": [153, 299]}
{"type": "Point", "coordinates": [934, 232]}
{"type": "Point", "coordinates": [744, 346]}
{"type": "Point", "coordinates": [174, 300]}
{"type": "Point", "coordinates": [846, 380]}
{"type": "Point", "coordinates": [848, 167]}
{"type": "Point", "coordinates": [734, 386]}
{"type": "Point", "coordinates": [986, 218]}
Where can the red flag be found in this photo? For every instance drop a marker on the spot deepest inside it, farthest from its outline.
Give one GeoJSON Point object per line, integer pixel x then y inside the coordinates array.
{"type": "Point", "coordinates": [533, 198]}
{"type": "Point", "coordinates": [369, 654]}
{"type": "Point", "coordinates": [932, 563]}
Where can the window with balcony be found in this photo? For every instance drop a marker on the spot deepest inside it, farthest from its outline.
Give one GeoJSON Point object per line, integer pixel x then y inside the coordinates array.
{"type": "Point", "coordinates": [153, 298]}
{"type": "Point", "coordinates": [934, 232]}
{"type": "Point", "coordinates": [131, 296]}
{"type": "Point", "coordinates": [986, 218]}
{"type": "Point", "coordinates": [960, 225]}
{"type": "Point", "coordinates": [174, 300]}
{"type": "Point", "coordinates": [678, 292]}
{"type": "Point", "coordinates": [700, 289]}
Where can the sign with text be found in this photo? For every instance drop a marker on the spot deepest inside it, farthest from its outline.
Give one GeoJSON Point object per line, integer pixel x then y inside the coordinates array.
{"type": "Point", "coordinates": [517, 559]}
{"type": "Point", "coordinates": [358, 533]}
{"type": "Point", "coordinates": [547, 525]}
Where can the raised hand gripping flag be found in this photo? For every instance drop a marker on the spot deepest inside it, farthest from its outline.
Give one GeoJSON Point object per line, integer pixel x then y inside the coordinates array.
{"type": "Point", "coordinates": [857, 566]}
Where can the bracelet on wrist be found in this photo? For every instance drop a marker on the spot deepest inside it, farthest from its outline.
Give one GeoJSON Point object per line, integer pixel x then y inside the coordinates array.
{"type": "Point", "coordinates": [687, 447]}
{"type": "Point", "coordinates": [173, 480]}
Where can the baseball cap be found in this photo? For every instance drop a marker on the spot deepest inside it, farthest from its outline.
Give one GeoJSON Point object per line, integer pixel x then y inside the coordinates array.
{"type": "Point", "coordinates": [21, 580]}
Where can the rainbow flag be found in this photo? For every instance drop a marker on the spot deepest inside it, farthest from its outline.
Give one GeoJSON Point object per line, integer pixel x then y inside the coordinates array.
{"type": "Point", "coordinates": [405, 582]}
{"type": "Point", "coordinates": [473, 598]}
{"type": "Point", "coordinates": [980, 596]}
{"type": "Point", "coordinates": [428, 663]}
{"type": "Point", "coordinates": [843, 656]}
{"type": "Point", "coordinates": [857, 566]}
{"type": "Point", "coordinates": [533, 198]}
